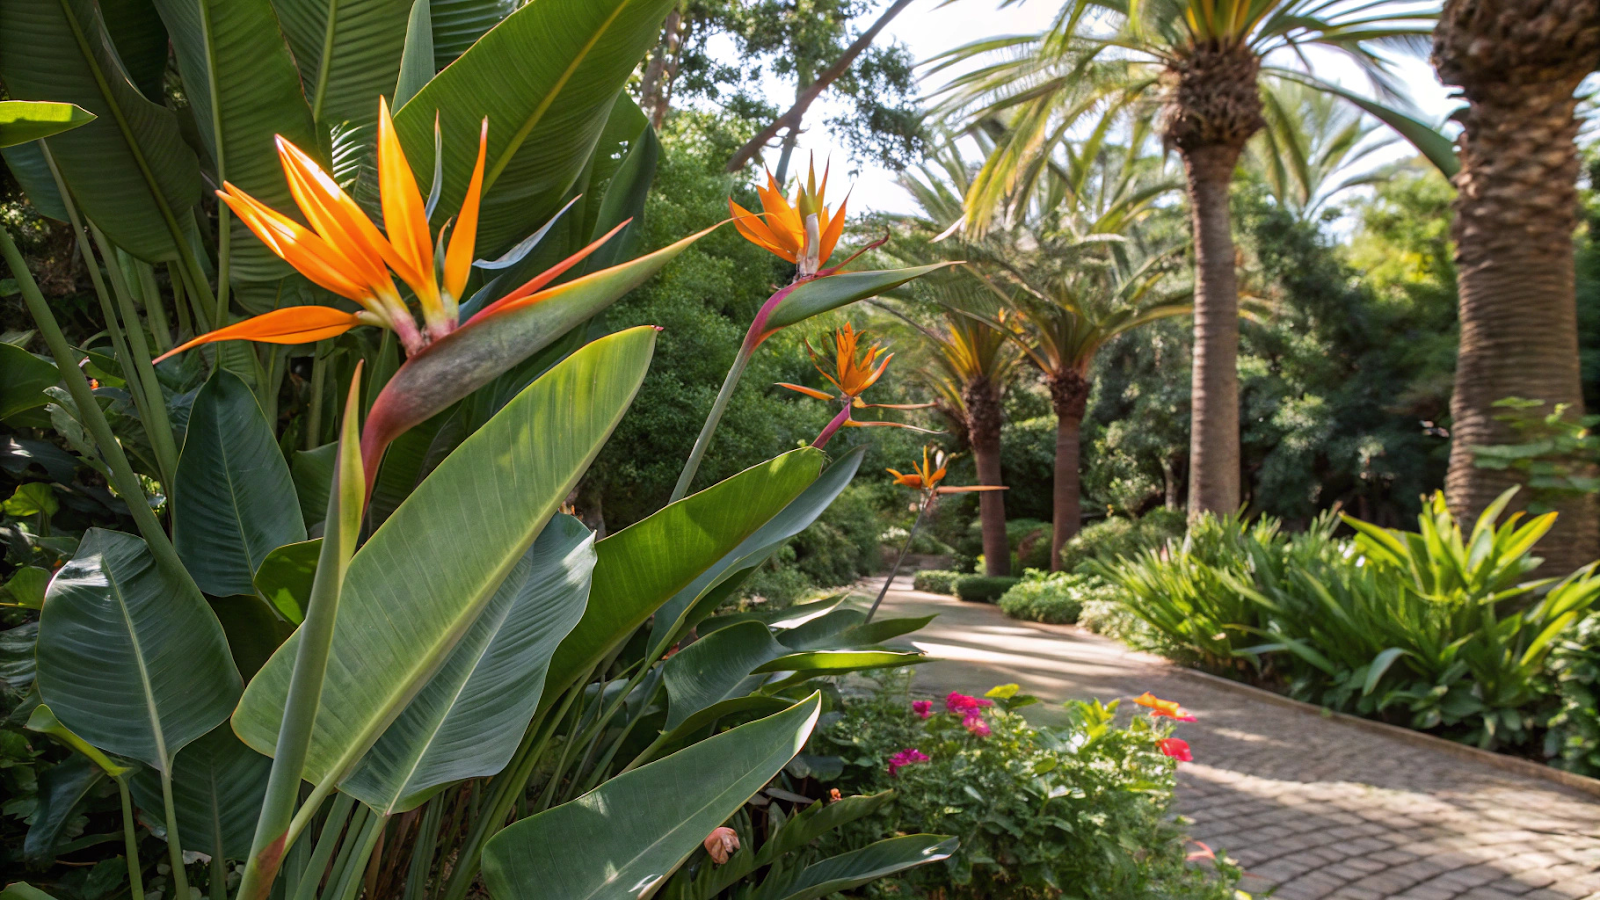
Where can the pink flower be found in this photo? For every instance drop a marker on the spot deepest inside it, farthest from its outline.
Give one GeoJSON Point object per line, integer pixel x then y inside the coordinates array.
{"type": "Point", "coordinates": [1179, 714]}
{"type": "Point", "coordinates": [721, 843]}
{"type": "Point", "coordinates": [923, 708]}
{"type": "Point", "coordinates": [905, 758]}
{"type": "Point", "coordinates": [1176, 748]}
{"type": "Point", "coordinates": [975, 724]}
{"type": "Point", "coordinates": [963, 705]}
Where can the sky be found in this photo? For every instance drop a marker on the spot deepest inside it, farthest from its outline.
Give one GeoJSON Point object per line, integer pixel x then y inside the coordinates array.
{"type": "Point", "coordinates": [927, 29]}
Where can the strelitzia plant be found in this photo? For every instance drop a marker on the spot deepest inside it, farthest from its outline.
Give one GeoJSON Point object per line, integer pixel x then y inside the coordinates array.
{"type": "Point", "coordinates": [853, 373]}
{"type": "Point", "coordinates": [923, 479]}
{"type": "Point", "coordinates": [344, 252]}
{"type": "Point", "coordinates": [804, 231]}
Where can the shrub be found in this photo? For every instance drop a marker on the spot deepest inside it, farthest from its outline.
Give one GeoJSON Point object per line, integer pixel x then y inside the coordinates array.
{"type": "Point", "coordinates": [1117, 537]}
{"type": "Point", "coordinates": [983, 588]}
{"type": "Point", "coordinates": [1056, 598]}
{"type": "Point", "coordinates": [936, 581]}
{"type": "Point", "coordinates": [1082, 809]}
{"type": "Point", "coordinates": [1573, 739]}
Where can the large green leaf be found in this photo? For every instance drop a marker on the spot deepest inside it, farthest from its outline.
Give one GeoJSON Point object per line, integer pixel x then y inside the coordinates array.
{"type": "Point", "coordinates": [129, 170]}
{"type": "Point", "coordinates": [480, 351]}
{"type": "Point", "coordinates": [348, 52]}
{"type": "Point", "coordinates": [233, 500]}
{"type": "Point", "coordinates": [130, 657]}
{"type": "Point", "coordinates": [755, 549]}
{"type": "Point", "coordinates": [821, 295]}
{"type": "Point", "coordinates": [62, 789]}
{"type": "Point", "coordinates": [217, 786]}
{"type": "Point", "coordinates": [141, 40]}
{"type": "Point", "coordinates": [468, 720]}
{"type": "Point", "coordinates": [714, 669]}
{"type": "Point", "coordinates": [642, 565]}
{"type": "Point", "coordinates": [621, 840]}
{"type": "Point", "coordinates": [416, 63]}
{"type": "Point", "coordinates": [244, 89]}
{"type": "Point", "coordinates": [426, 575]}
{"type": "Point", "coordinates": [545, 112]}
{"type": "Point", "coordinates": [459, 23]}
{"type": "Point", "coordinates": [285, 576]}
{"type": "Point", "coordinates": [28, 165]}
{"type": "Point", "coordinates": [874, 861]}
{"type": "Point", "coordinates": [29, 120]}
{"type": "Point", "coordinates": [23, 378]}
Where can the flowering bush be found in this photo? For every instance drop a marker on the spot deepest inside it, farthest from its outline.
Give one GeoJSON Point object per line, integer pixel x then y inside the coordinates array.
{"type": "Point", "coordinates": [1081, 810]}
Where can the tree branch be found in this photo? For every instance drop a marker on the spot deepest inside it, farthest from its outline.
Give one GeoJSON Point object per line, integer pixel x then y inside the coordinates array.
{"type": "Point", "coordinates": [791, 119]}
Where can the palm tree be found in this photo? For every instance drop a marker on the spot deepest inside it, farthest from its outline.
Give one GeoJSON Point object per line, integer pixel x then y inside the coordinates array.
{"type": "Point", "coordinates": [1518, 63]}
{"type": "Point", "coordinates": [1312, 147]}
{"type": "Point", "coordinates": [1202, 59]}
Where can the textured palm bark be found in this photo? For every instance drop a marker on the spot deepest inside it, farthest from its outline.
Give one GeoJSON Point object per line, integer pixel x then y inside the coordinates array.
{"type": "Point", "coordinates": [1069, 394]}
{"type": "Point", "coordinates": [981, 397]}
{"type": "Point", "coordinates": [1518, 63]}
{"type": "Point", "coordinates": [1214, 386]}
{"type": "Point", "coordinates": [1212, 107]}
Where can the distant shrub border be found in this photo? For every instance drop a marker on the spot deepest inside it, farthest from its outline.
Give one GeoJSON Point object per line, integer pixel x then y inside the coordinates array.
{"type": "Point", "coordinates": [935, 581]}
{"type": "Point", "coordinates": [984, 588]}
{"type": "Point", "coordinates": [1054, 598]}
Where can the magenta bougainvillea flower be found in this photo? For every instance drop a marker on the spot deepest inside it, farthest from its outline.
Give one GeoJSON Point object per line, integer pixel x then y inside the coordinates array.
{"type": "Point", "coordinates": [906, 757]}
{"type": "Point", "coordinates": [963, 705]}
{"type": "Point", "coordinates": [975, 724]}
{"type": "Point", "coordinates": [923, 708]}
{"type": "Point", "coordinates": [1177, 748]}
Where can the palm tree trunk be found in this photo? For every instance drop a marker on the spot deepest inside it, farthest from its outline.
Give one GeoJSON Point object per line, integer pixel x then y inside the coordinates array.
{"type": "Point", "coordinates": [1069, 394]}
{"type": "Point", "coordinates": [1214, 397]}
{"type": "Point", "coordinates": [1518, 63]}
{"type": "Point", "coordinates": [982, 400]}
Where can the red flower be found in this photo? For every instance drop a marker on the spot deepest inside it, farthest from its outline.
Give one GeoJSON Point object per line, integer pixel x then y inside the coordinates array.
{"type": "Point", "coordinates": [963, 705]}
{"type": "Point", "coordinates": [975, 724]}
{"type": "Point", "coordinates": [1176, 748]}
{"type": "Point", "coordinates": [905, 758]}
{"type": "Point", "coordinates": [923, 708]}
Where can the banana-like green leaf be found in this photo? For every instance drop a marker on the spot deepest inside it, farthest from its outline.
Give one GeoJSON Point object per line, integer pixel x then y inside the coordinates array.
{"type": "Point", "coordinates": [43, 720]}
{"type": "Point", "coordinates": [129, 170]}
{"type": "Point", "coordinates": [457, 24]}
{"type": "Point", "coordinates": [545, 112]}
{"type": "Point", "coordinates": [348, 52]}
{"type": "Point", "coordinates": [822, 295]}
{"type": "Point", "coordinates": [714, 669]}
{"type": "Point", "coordinates": [849, 870]}
{"type": "Point", "coordinates": [623, 839]}
{"type": "Point", "coordinates": [312, 471]}
{"type": "Point", "coordinates": [427, 574]}
{"type": "Point", "coordinates": [62, 789]}
{"type": "Point", "coordinates": [141, 41]}
{"type": "Point", "coordinates": [217, 786]}
{"type": "Point", "coordinates": [843, 629]}
{"type": "Point", "coordinates": [416, 63]}
{"type": "Point", "coordinates": [651, 560]}
{"type": "Point", "coordinates": [130, 657]}
{"type": "Point", "coordinates": [475, 354]}
{"type": "Point", "coordinates": [812, 663]}
{"type": "Point", "coordinates": [29, 120]}
{"type": "Point", "coordinates": [27, 164]}
{"type": "Point", "coordinates": [468, 720]}
{"type": "Point", "coordinates": [23, 378]}
{"type": "Point", "coordinates": [243, 87]}
{"type": "Point", "coordinates": [750, 706]}
{"type": "Point", "coordinates": [782, 619]}
{"type": "Point", "coordinates": [233, 500]}
{"type": "Point", "coordinates": [21, 890]}
{"type": "Point", "coordinates": [625, 194]}
{"type": "Point", "coordinates": [673, 619]}
{"type": "Point", "coordinates": [285, 576]}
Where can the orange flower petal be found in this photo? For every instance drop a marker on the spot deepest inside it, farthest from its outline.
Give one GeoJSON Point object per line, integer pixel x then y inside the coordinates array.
{"type": "Point", "coordinates": [300, 247]}
{"type": "Point", "coordinates": [291, 325]}
{"type": "Point", "coordinates": [756, 231]}
{"type": "Point", "coordinates": [458, 259]}
{"type": "Point", "coordinates": [1150, 700]}
{"type": "Point", "coordinates": [832, 229]}
{"type": "Point", "coordinates": [404, 216]}
{"type": "Point", "coordinates": [336, 217]}
{"type": "Point", "coordinates": [809, 392]}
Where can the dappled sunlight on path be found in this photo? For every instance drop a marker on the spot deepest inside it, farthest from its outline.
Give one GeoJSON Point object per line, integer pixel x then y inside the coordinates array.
{"type": "Point", "coordinates": [1311, 805]}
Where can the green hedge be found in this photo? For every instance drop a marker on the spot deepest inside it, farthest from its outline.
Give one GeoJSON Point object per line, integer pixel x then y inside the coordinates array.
{"type": "Point", "coordinates": [936, 581]}
{"type": "Point", "coordinates": [983, 588]}
{"type": "Point", "coordinates": [1056, 598]}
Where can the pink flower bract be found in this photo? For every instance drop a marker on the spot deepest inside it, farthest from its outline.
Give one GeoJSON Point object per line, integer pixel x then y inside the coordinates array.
{"type": "Point", "coordinates": [975, 724]}
{"type": "Point", "coordinates": [905, 758]}
{"type": "Point", "coordinates": [1176, 748]}
{"type": "Point", "coordinates": [923, 708]}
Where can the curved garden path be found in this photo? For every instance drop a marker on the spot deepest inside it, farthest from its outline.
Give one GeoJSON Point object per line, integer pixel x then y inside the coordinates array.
{"type": "Point", "coordinates": [1313, 805]}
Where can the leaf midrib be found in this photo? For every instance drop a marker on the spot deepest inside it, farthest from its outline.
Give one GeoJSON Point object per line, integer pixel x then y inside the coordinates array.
{"type": "Point", "coordinates": [138, 657]}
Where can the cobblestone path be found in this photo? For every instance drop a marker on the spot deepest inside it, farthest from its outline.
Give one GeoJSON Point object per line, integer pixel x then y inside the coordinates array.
{"type": "Point", "coordinates": [1313, 806]}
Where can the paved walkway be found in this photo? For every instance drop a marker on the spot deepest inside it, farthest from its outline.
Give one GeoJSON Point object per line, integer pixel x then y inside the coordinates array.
{"type": "Point", "coordinates": [1312, 806]}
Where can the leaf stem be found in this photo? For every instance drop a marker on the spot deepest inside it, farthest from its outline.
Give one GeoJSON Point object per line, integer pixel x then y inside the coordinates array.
{"type": "Point", "coordinates": [157, 426]}
{"type": "Point", "coordinates": [130, 841]}
{"type": "Point", "coordinates": [735, 372]}
{"type": "Point", "coordinates": [180, 876]}
{"type": "Point", "coordinates": [926, 502]}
